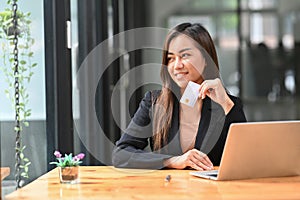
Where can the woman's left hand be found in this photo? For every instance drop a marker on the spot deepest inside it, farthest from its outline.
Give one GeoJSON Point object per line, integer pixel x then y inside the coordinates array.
{"type": "Point", "coordinates": [215, 91]}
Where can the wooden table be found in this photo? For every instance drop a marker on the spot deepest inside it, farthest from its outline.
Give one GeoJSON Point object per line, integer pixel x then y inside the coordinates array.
{"type": "Point", "coordinates": [111, 183]}
{"type": "Point", "coordinates": [4, 173]}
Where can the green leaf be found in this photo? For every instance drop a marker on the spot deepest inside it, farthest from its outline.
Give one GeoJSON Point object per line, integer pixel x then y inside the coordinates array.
{"type": "Point", "coordinates": [24, 174]}
{"type": "Point", "coordinates": [27, 114]}
{"type": "Point", "coordinates": [23, 62]}
{"type": "Point", "coordinates": [26, 124]}
{"type": "Point", "coordinates": [21, 155]}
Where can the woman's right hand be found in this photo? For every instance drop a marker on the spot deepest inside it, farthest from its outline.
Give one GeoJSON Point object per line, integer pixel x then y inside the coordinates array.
{"type": "Point", "coordinates": [192, 158]}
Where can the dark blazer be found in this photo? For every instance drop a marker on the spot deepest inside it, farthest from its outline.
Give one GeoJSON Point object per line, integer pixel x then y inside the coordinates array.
{"type": "Point", "coordinates": [135, 147]}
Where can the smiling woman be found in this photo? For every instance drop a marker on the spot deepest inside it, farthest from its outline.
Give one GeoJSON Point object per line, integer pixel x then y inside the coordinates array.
{"type": "Point", "coordinates": [181, 136]}
{"type": "Point", "coordinates": [185, 61]}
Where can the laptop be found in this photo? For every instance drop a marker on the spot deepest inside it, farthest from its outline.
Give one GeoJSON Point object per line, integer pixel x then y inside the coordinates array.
{"type": "Point", "coordinates": [258, 150]}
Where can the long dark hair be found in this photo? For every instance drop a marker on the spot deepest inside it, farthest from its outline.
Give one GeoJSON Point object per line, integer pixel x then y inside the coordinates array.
{"type": "Point", "coordinates": [165, 102]}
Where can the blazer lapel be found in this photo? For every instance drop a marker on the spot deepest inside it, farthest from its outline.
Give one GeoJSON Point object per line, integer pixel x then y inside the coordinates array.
{"type": "Point", "coordinates": [173, 146]}
{"type": "Point", "coordinates": [204, 122]}
{"type": "Point", "coordinates": [210, 126]}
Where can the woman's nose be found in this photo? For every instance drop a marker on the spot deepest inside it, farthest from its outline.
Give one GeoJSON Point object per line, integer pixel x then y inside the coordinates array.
{"type": "Point", "coordinates": [178, 63]}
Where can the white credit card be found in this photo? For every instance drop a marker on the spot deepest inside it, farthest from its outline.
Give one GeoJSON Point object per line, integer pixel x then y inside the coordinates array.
{"type": "Point", "coordinates": [191, 94]}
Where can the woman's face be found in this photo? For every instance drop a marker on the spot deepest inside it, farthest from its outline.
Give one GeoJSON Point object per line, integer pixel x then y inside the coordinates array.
{"type": "Point", "coordinates": [185, 61]}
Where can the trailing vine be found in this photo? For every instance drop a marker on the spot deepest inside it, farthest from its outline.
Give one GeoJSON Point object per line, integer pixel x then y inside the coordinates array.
{"type": "Point", "coordinates": [16, 43]}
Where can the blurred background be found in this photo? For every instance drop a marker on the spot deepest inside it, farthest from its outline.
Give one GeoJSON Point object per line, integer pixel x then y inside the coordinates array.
{"type": "Point", "coordinates": [258, 45]}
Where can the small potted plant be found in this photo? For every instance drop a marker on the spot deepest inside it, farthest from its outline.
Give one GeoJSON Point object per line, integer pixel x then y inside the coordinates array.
{"type": "Point", "coordinates": [68, 166]}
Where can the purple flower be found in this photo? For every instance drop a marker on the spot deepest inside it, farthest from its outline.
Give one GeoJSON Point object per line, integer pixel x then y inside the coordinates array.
{"type": "Point", "coordinates": [75, 158]}
{"type": "Point", "coordinates": [57, 154]}
{"type": "Point", "coordinates": [80, 156]}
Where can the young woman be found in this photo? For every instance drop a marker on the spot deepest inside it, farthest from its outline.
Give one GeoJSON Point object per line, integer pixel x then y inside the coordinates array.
{"type": "Point", "coordinates": [180, 136]}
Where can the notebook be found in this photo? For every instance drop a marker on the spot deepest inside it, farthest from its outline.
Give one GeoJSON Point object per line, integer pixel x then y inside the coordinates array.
{"type": "Point", "coordinates": [258, 150]}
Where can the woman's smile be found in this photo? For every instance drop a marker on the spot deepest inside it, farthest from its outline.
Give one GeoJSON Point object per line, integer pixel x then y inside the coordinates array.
{"type": "Point", "coordinates": [180, 75]}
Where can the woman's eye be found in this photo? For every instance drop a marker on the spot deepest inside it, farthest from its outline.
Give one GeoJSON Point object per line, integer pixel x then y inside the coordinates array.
{"type": "Point", "coordinates": [170, 59]}
{"type": "Point", "coordinates": [185, 55]}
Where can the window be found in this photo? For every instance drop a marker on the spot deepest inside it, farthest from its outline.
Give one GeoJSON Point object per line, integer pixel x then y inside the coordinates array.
{"type": "Point", "coordinates": [34, 136]}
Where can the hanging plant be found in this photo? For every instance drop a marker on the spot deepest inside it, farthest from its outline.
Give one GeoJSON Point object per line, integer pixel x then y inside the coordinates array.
{"type": "Point", "coordinates": [17, 67]}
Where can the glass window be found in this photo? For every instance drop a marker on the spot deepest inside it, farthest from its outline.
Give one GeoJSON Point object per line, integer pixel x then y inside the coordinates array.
{"type": "Point", "coordinates": [34, 136]}
{"type": "Point", "coordinates": [206, 21]}
{"type": "Point", "coordinates": [229, 4]}
{"type": "Point", "coordinates": [258, 4]}
{"type": "Point", "coordinates": [228, 31]}
{"type": "Point", "coordinates": [36, 88]}
{"type": "Point", "coordinates": [264, 28]}
{"type": "Point", "coordinates": [202, 4]}
{"type": "Point", "coordinates": [261, 4]}
{"type": "Point", "coordinates": [288, 31]}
